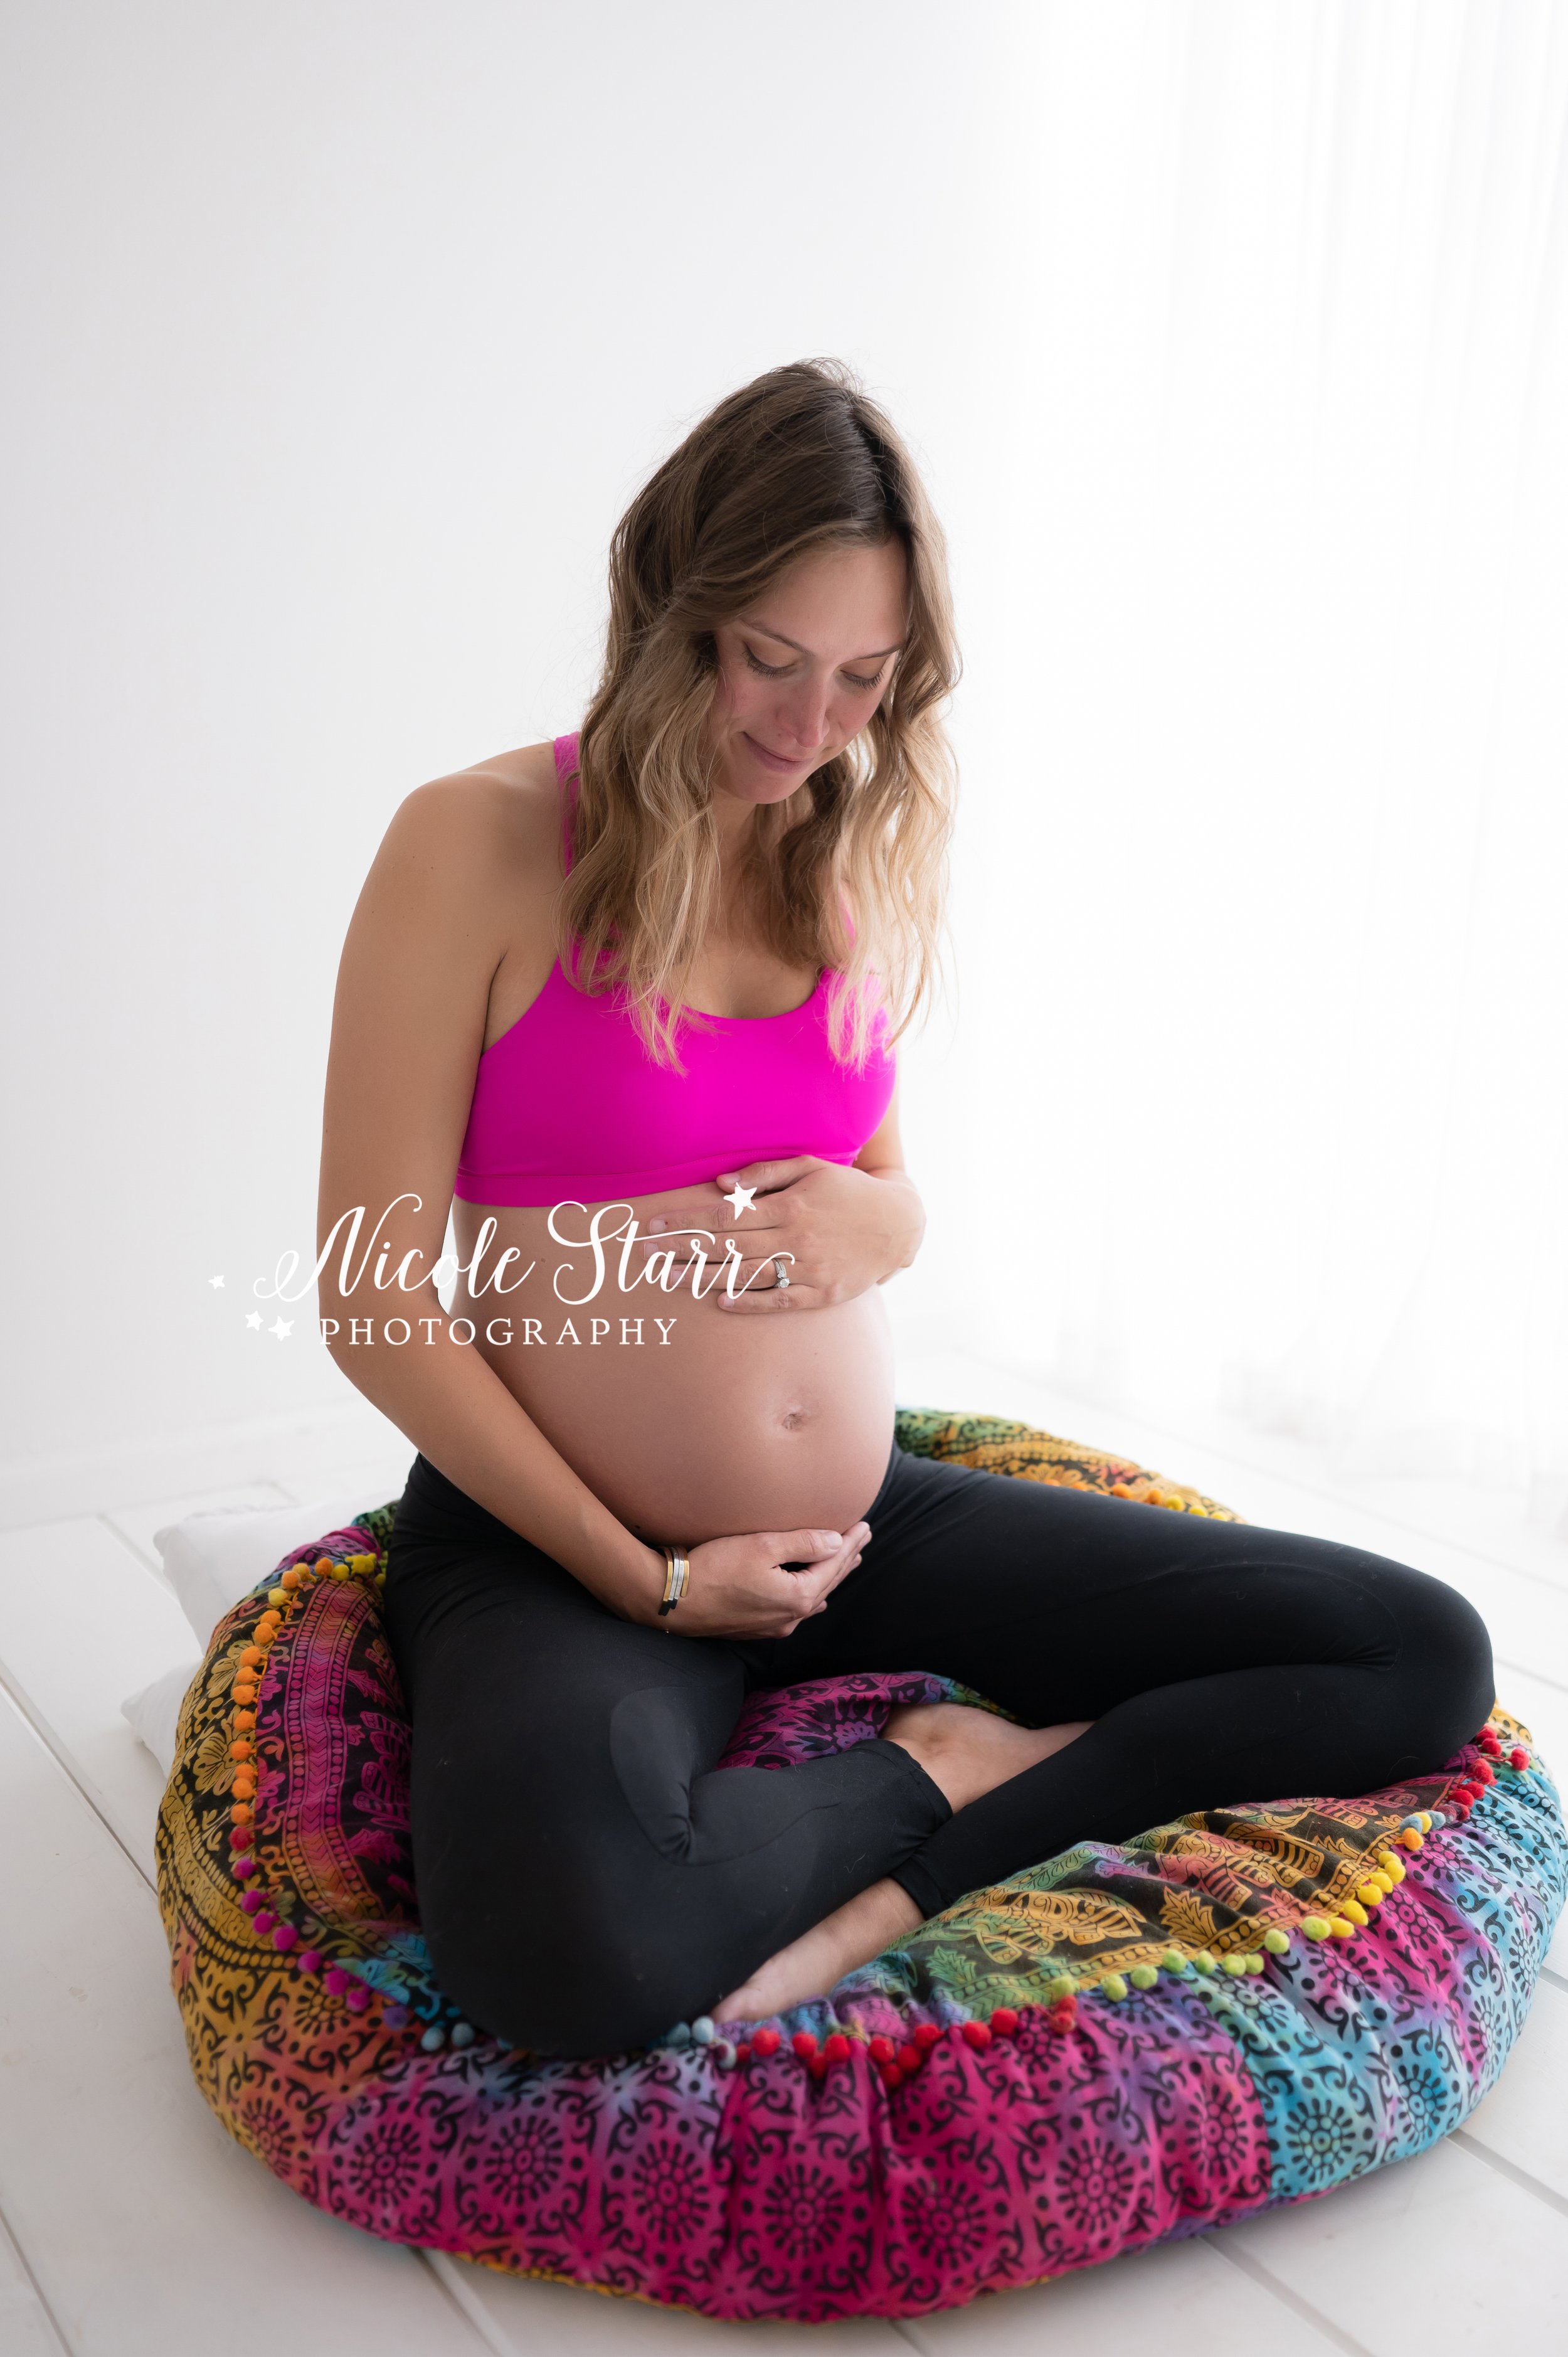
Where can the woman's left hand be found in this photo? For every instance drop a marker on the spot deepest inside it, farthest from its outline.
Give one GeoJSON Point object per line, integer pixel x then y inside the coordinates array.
{"type": "Point", "coordinates": [838, 1230]}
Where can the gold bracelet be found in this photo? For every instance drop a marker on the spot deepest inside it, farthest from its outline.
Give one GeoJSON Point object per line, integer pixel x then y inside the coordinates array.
{"type": "Point", "coordinates": [677, 1571]}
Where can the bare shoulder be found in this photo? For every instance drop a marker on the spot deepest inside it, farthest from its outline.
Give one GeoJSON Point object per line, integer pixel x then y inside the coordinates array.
{"type": "Point", "coordinates": [497, 823]}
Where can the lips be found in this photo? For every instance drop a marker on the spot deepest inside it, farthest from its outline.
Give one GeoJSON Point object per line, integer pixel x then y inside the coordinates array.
{"type": "Point", "coordinates": [773, 760]}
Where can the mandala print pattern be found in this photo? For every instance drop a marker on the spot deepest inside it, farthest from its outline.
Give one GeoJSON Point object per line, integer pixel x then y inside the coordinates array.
{"type": "Point", "coordinates": [1127, 2043]}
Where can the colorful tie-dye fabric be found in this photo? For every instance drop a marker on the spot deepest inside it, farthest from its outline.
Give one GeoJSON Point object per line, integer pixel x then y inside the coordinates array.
{"type": "Point", "coordinates": [1125, 2045]}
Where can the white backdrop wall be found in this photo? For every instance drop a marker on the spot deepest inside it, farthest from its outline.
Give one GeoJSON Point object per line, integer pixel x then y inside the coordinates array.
{"type": "Point", "coordinates": [1234, 337]}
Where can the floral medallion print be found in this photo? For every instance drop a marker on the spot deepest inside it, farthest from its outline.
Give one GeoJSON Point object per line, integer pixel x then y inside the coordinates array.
{"type": "Point", "coordinates": [1124, 2044]}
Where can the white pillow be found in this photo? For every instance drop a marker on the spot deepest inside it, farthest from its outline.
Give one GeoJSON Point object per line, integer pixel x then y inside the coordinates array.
{"type": "Point", "coordinates": [154, 1713]}
{"type": "Point", "coordinates": [212, 1558]}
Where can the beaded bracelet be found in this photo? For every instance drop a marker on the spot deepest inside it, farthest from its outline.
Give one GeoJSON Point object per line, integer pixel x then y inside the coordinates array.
{"type": "Point", "coordinates": [677, 1571]}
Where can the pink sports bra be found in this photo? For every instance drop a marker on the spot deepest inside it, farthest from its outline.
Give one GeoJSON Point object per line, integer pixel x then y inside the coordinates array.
{"type": "Point", "coordinates": [570, 1106]}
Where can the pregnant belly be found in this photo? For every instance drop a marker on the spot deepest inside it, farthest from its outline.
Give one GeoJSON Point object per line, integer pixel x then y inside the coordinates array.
{"type": "Point", "coordinates": [688, 1422]}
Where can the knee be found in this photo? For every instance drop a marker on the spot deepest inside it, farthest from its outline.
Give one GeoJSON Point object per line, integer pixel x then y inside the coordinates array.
{"type": "Point", "coordinates": [1445, 1657]}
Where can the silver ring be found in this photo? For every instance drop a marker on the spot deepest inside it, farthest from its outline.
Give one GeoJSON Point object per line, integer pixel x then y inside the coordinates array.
{"type": "Point", "coordinates": [781, 1273]}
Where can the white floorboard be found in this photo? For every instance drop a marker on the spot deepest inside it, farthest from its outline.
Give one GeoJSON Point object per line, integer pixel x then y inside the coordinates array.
{"type": "Point", "coordinates": [1181, 2297]}
{"type": "Point", "coordinates": [26, 2329]}
{"type": "Point", "coordinates": [1428, 2258]}
{"type": "Point", "coordinates": [134, 2217]}
{"type": "Point", "coordinates": [83, 1624]}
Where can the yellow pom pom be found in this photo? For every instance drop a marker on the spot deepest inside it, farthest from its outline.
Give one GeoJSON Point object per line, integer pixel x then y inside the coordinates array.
{"type": "Point", "coordinates": [1369, 1893]}
{"type": "Point", "coordinates": [1341, 1927]}
{"type": "Point", "coordinates": [277, 1597]}
{"type": "Point", "coordinates": [1384, 1881]}
{"type": "Point", "coordinates": [1354, 1909]}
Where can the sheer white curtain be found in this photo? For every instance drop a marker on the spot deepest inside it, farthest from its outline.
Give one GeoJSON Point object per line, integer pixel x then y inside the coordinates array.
{"type": "Point", "coordinates": [1263, 943]}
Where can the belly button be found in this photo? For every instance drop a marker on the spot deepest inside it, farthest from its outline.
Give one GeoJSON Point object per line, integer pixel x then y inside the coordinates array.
{"type": "Point", "coordinates": [793, 1418]}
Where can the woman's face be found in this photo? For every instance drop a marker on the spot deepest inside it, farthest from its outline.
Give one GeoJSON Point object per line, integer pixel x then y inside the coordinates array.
{"type": "Point", "coordinates": [803, 669]}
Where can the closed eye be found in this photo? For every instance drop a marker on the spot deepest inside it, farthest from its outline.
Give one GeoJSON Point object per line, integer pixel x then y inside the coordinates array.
{"type": "Point", "coordinates": [780, 671]}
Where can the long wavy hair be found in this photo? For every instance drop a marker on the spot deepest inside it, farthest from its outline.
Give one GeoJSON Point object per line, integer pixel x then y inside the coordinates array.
{"type": "Point", "coordinates": [849, 872]}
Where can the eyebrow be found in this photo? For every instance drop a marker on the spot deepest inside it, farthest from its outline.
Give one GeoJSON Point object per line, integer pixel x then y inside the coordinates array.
{"type": "Point", "coordinates": [768, 632]}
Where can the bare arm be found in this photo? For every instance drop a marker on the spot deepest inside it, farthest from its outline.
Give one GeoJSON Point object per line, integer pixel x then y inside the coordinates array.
{"type": "Point", "coordinates": [445, 892]}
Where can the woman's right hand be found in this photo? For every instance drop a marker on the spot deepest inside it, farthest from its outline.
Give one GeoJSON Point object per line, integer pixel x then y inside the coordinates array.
{"type": "Point", "coordinates": [739, 1588]}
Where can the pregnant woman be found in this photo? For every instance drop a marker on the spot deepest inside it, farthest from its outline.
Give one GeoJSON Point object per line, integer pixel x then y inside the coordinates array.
{"type": "Point", "coordinates": [633, 999]}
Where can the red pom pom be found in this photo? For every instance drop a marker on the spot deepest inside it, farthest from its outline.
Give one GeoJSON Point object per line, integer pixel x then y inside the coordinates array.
{"type": "Point", "coordinates": [891, 2075]}
{"type": "Point", "coordinates": [975, 2034]}
{"type": "Point", "coordinates": [818, 2066]}
{"type": "Point", "coordinates": [1486, 1771]}
{"type": "Point", "coordinates": [743, 2052]}
{"type": "Point", "coordinates": [241, 1837]}
{"type": "Point", "coordinates": [765, 2042]}
{"type": "Point", "coordinates": [1063, 2018]}
{"type": "Point", "coordinates": [804, 2044]}
{"type": "Point", "coordinates": [836, 2047]}
{"type": "Point", "coordinates": [1003, 2021]}
{"type": "Point", "coordinates": [1519, 1757]}
{"type": "Point", "coordinates": [882, 2050]}
{"type": "Point", "coordinates": [909, 2060]}
{"type": "Point", "coordinates": [927, 2034]}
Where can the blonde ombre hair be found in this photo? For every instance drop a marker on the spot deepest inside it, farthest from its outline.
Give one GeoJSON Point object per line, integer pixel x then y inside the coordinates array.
{"type": "Point", "coordinates": [849, 872]}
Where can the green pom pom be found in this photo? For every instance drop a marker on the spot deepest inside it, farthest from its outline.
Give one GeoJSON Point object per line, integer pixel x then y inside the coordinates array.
{"type": "Point", "coordinates": [1277, 1943]}
{"type": "Point", "coordinates": [1113, 1986]}
{"type": "Point", "coordinates": [1175, 1962]}
{"type": "Point", "coordinates": [1144, 1976]}
{"type": "Point", "coordinates": [1203, 1962]}
{"type": "Point", "coordinates": [1235, 1966]}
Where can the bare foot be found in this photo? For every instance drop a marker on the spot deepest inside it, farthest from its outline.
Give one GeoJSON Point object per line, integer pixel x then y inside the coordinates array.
{"type": "Point", "coordinates": [965, 1752]}
{"type": "Point", "coordinates": [820, 1957]}
{"type": "Point", "coordinates": [968, 1752]}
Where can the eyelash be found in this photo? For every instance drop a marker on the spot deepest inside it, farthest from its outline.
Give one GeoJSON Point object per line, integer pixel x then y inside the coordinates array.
{"type": "Point", "coordinates": [777, 671]}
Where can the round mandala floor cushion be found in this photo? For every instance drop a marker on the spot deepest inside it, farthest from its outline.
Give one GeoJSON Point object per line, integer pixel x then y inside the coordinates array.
{"type": "Point", "coordinates": [1126, 2044]}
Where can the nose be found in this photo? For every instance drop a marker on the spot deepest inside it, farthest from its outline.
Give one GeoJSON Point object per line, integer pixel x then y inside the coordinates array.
{"type": "Point", "coordinates": [805, 716]}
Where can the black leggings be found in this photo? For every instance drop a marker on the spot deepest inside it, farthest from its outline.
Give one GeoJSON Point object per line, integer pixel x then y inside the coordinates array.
{"type": "Point", "coordinates": [586, 1881]}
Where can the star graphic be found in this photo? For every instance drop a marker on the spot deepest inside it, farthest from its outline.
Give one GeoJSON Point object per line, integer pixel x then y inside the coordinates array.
{"type": "Point", "coordinates": [282, 1327]}
{"type": "Point", "coordinates": [739, 1198]}
{"type": "Point", "coordinates": [254, 1318]}
{"type": "Point", "coordinates": [215, 1282]}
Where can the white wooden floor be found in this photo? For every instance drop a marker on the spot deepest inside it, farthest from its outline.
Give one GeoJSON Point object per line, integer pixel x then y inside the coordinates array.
{"type": "Point", "coordinates": [129, 2223]}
